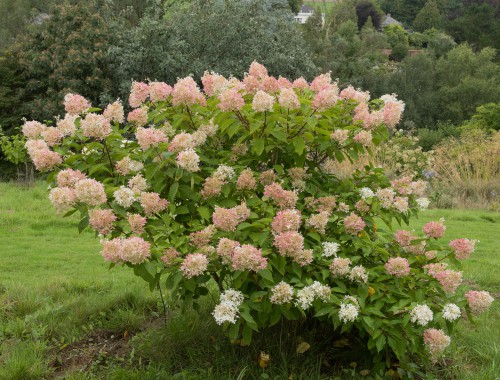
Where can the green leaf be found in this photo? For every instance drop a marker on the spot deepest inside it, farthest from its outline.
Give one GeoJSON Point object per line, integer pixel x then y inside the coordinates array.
{"type": "Point", "coordinates": [258, 146]}
{"type": "Point", "coordinates": [299, 144]}
{"type": "Point", "coordinates": [172, 191]}
{"type": "Point", "coordinates": [204, 212]}
{"type": "Point", "coordinates": [267, 275]}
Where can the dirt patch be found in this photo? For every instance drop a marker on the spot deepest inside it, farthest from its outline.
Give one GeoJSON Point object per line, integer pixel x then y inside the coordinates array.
{"type": "Point", "coordinates": [98, 349]}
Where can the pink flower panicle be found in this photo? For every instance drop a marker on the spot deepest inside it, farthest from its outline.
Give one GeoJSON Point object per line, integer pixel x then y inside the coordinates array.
{"type": "Point", "coordinates": [134, 250]}
{"type": "Point", "coordinates": [188, 160]}
{"type": "Point", "coordinates": [152, 203]}
{"type": "Point", "coordinates": [340, 267]}
{"type": "Point", "coordinates": [228, 219]}
{"type": "Point", "coordinates": [364, 138]}
{"type": "Point", "coordinates": [267, 177]}
{"type": "Point", "coordinates": [434, 230]}
{"type": "Point", "coordinates": [398, 266]}
{"type": "Point", "coordinates": [203, 237]}
{"type": "Point", "coordinates": [45, 159]}
{"type": "Point", "coordinates": [180, 142]}
{"type": "Point", "coordinates": [462, 247]}
{"type": "Point", "coordinates": [247, 257]}
{"type": "Point", "coordinates": [354, 224]}
{"type": "Point", "coordinates": [321, 82]}
{"type": "Point", "coordinates": [169, 256]}
{"type": "Point", "coordinates": [257, 70]}
{"type": "Point", "coordinates": [150, 137]}
{"type": "Point", "coordinates": [75, 104]}
{"type": "Point", "coordinates": [67, 125]}
{"type": "Point", "coordinates": [289, 243]}
{"type": "Point", "coordinates": [231, 100]}
{"type": "Point", "coordinates": [187, 93]}
{"type": "Point", "coordinates": [225, 249]}
{"type": "Point", "coordinates": [479, 301]}
{"type": "Point", "coordinates": [139, 93]}
{"type": "Point", "coordinates": [325, 99]}
{"type": "Point", "coordinates": [114, 112]}
{"type": "Point", "coordinates": [319, 221]}
{"type": "Point", "coordinates": [300, 83]}
{"type": "Point", "coordinates": [436, 342]}
{"type": "Point", "coordinates": [136, 223]}
{"type": "Point", "coordinates": [95, 126]}
{"type": "Point", "coordinates": [139, 116]}
{"type": "Point", "coordinates": [90, 191]}
{"type": "Point", "coordinates": [194, 264]}
{"type": "Point", "coordinates": [288, 99]}
{"type": "Point", "coordinates": [351, 93]}
{"type": "Point", "coordinates": [213, 83]}
{"type": "Point", "coordinates": [69, 177]}
{"type": "Point", "coordinates": [52, 136]}
{"type": "Point", "coordinates": [392, 111]}
{"type": "Point", "coordinates": [33, 129]}
{"type": "Point", "coordinates": [211, 187]}
{"type": "Point", "coordinates": [262, 102]}
{"type": "Point", "coordinates": [62, 198]}
{"type": "Point", "coordinates": [286, 220]}
{"type": "Point", "coordinates": [159, 91]}
{"type": "Point", "coordinates": [102, 220]}
{"type": "Point", "coordinates": [246, 180]}
{"type": "Point", "coordinates": [280, 197]}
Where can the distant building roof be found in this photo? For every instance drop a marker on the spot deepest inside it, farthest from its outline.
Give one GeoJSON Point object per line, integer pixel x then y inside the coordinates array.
{"type": "Point", "coordinates": [388, 20]}
{"type": "Point", "coordinates": [306, 9]}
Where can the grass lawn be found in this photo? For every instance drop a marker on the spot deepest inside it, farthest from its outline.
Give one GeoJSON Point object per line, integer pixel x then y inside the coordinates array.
{"type": "Point", "coordinates": [65, 315]}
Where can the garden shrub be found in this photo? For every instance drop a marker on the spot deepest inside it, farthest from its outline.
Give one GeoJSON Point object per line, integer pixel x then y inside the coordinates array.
{"type": "Point", "coordinates": [225, 189]}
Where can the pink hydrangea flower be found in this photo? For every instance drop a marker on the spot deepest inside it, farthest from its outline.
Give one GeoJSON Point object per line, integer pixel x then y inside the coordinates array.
{"type": "Point", "coordinates": [340, 135]}
{"type": "Point", "coordinates": [325, 99]}
{"type": "Point", "coordinates": [270, 85]}
{"type": "Point", "coordinates": [139, 116]}
{"type": "Point", "coordinates": [398, 266]}
{"type": "Point", "coordinates": [150, 137]}
{"type": "Point", "coordinates": [169, 256]}
{"type": "Point", "coordinates": [136, 223]}
{"type": "Point", "coordinates": [114, 112]}
{"type": "Point", "coordinates": [300, 83]}
{"type": "Point", "coordinates": [462, 247]}
{"type": "Point", "coordinates": [45, 159]}
{"type": "Point", "coordinates": [340, 267]}
{"type": "Point", "coordinates": [62, 198]}
{"type": "Point", "coordinates": [228, 219]}
{"type": "Point", "coordinates": [180, 142]}
{"type": "Point", "coordinates": [211, 187]}
{"type": "Point", "coordinates": [203, 237]}
{"type": "Point", "coordinates": [436, 342]}
{"type": "Point", "coordinates": [257, 70]}
{"type": "Point", "coordinates": [52, 136]}
{"type": "Point", "coordinates": [188, 160]}
{"type": "Point", "coordinates": [33, 145]}
{"type": "Point", "coordinates": [434, 230]}
{"type": "Point", "coordinates": [351, 93]}
{"type": "Point", "coordinates": [289, 243]}
{"type": "Point", "coordinates": [225, 249]}
{"type": "Point", "coordinates": [354, 224]}
{"type": "Point", "coordinates": [392, 111]}
{"type": "Point", "coordinates": [319, 221]}
{"type": "Point", "coordinates": [231, 100]}
{"type": "Point", "coordinates": [262, 102]}
{"type": "Point", "coordinates": [76, 104]}
{"type": "Point", "coordinates": [449, 279]}
{"type": "Point", "coordinates": [282, 198]}
{"type": "Point", "coordinates": [364, 138]}
{"type": "Point", "coordinates": [90, 191]}
{"type": "Point", "coordinates": [112, 249]}
{"type": "Point", "coordinates": [159, 91]}
{"type": "Point", "coordinates": [285, 221]}
{"type": "Point", "coordinates": [139, 93]}
{"type": "Point", "coordinates": [69, 177]}
{"type": "Point", "coordinates": [284, 83]}
{"type": "Point", "coordinates": [247, 257]}
{"type": "Point", "coordinates": [404, 238]}
{"type": "Point", "coordinates": [213, 83]}
{"type": "Point", "coordinates": [33, 129]}
{"type": "Point", "coordinates": [479, 301]}
{"type": "Point", "coordinates": [321, 82]}
{"type": "Point", "coordinates": [95, 126]}
{"type": "Point", "coordinates": [288, 99]}
{"type": "Point", "coordinates": [186, 92]}
{"type": "Point", "coordinates": [102, 220]}
{"type": "Point", "coordinates": [246, 180]}
{"type": "Point", "coordinates": [194, 265]}
{"type": "Point", "coordinates": [135, 250]}
{"type": "Point", "coordinates": [152, 203]}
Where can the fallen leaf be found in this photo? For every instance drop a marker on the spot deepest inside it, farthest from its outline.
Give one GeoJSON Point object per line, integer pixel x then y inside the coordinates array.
{"type": "Point", "coordinates": [303, 347]}
{"type": "Point", "coordinates": [264, 360]}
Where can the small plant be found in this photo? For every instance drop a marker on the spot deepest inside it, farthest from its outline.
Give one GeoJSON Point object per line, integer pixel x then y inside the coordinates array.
{"type": "Point", "coordinates": [14, 151]}
{"type": "Point", "coordinates": [226, 189]}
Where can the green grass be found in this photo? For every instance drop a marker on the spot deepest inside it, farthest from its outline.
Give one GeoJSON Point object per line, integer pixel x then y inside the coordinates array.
{"type": "Point", "coordinates": [63, 314]}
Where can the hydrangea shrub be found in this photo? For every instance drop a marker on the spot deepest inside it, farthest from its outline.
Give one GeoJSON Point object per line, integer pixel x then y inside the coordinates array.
{"type": "Point", "coordinates": [224, 189]}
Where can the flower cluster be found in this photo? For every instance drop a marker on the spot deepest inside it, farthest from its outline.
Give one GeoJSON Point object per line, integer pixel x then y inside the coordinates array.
{"type": "Point", "coordinates": [227, 309]}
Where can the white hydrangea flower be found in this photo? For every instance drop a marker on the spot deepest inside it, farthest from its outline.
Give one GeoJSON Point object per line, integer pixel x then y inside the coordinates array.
{"type": "Point", "coordinates": [225, 312]}
{"type": "Point", "coordinates": [358, 274]}
{"type": "Point", "coordinates": [421, 315]}
{"type": "Point", "coordinates": [305, 298]}
{"type": "Point", "coordinates": [124, 196]}
{"type": "Point", "coordinates": [223, 173]}
{"type": "Point", "coordinates": [348, 312]}
{"type": "Point", "coordinates": [330, 249]}
{"type": "Point", "coordinates": [423, 203]}
{"type": "Point", "coordinates": [451, 312]}
{"type": "Point", "coordinates": [232, 296]}
{"type": "Point", "coordinates": [281, 293]}
{"type": "Point", "coordinates": [366, 193]}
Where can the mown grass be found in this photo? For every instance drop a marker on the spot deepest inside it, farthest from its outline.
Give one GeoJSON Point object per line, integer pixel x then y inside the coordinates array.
{"type": "Point", "coordinates": [63, 314]}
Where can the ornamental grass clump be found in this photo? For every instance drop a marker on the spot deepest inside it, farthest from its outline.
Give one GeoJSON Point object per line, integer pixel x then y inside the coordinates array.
{"type": "Point", "coordinates": [224, 189]}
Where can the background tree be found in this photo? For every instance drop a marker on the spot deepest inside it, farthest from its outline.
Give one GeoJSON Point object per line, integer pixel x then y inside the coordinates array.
{"type": "Point", "coordinates": [295, 5]}
{"type": "Point", "coordinates": [366, 9]}
{"type": "Point", "coordinates": [428, 17]}
{"type": "Point", "coordinates": [66, 54]}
